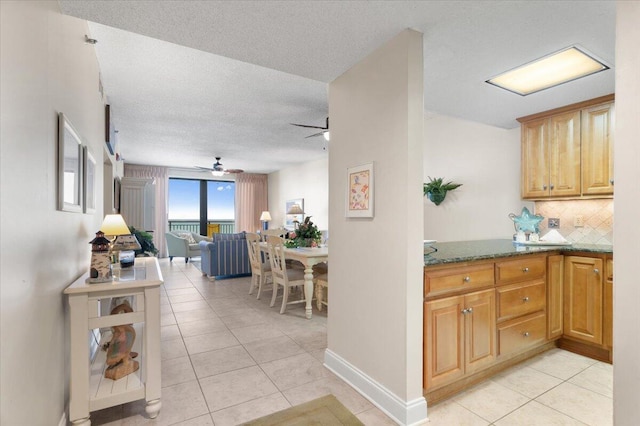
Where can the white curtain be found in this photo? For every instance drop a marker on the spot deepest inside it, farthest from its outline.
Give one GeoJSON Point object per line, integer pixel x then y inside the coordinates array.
{"type": "Point", "coordinates": [251, 201]}
{"type": "Point", "coordinates": [161, 177]}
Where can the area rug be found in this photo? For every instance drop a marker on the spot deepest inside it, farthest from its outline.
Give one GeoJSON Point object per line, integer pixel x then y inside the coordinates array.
{"type": "Point", "coordinates": [325, 411]}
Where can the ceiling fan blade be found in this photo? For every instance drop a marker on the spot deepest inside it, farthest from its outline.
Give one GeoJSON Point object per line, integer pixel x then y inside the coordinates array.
{"type": "Point", "coordinates": [315, 134]}
{"type": "Point", "coordinates": [308, 127]}
{"type": "Point", "coordinates": [207, 169]}
{"type": "Point", "coordinates": [234, 171]}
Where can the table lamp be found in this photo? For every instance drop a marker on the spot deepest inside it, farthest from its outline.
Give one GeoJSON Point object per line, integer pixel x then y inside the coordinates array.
{"type": "Point", "coordinates": [295, 209]}
{"type": "Point", "coordinates": [114, 226]}
{"type": "Point", "coordinates": [265, 217]}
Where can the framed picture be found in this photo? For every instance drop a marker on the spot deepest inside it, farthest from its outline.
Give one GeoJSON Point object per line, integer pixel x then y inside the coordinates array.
{"type": "Point", "coordinates": [291, 218]}
{"type": "Point", "coordinates": [360, 191]}
{"type": "Point", "coordinates": [89, 181]}
{"type": "Point", "coordinates": [69, 167]}
{"type": "Point", "coordinates": [116, 195]}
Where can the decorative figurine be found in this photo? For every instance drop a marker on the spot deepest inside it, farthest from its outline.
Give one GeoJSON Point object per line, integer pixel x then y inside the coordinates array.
{"type": "Point", "coordinates": [119, 356]}
{"type": "Point", "coordinates": [100, 270]}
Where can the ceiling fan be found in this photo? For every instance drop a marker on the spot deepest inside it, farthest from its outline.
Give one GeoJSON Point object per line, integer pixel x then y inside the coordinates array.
{"type": "Point", "coordinates": [324, 132]}
{"type": "Point", "coordinates": [218, 169]}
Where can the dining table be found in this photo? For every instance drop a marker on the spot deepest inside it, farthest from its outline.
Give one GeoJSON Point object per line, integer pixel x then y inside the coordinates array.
{"type": "Point", "coordinates": [308, 256]}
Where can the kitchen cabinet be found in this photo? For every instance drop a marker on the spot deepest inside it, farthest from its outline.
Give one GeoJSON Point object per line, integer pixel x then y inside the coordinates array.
{"type": "Point", "coordinates": [555, 278]}
{"type": "Point", "coordinates": [568, 152]}
{"type": "Point", "coordinates": [583, 298]}
{"type": "Point", "coordinates": [607, 326]}
{"type": "Point", "coordinates": [521, 292]}
{"type": "Point", "coordinates": [597, 152]}
{"type": "Point", "coordinates": [551, 156]}
{"type": "Point", "coordinates": [459, 336]}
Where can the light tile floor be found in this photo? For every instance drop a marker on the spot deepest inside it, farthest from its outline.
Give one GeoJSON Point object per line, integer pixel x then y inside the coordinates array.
{"type": "Point", "coordinates": [228, 358]}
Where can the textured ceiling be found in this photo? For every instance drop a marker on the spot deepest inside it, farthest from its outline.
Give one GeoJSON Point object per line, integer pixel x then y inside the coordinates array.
{"type": "Point", "coordinates": [228, 77]}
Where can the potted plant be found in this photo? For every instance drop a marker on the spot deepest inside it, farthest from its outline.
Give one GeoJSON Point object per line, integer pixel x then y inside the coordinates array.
{"type": "Point", "coordinates": [146, 242]}
{"type": "Point", "coordinates": [436, 190]}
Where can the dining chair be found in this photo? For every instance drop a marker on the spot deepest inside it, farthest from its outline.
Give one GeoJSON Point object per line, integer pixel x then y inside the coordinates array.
{"type": "Point", "coordinates": [260, 270]}
{"type": "Point", "coordinates": [281, 275]}
{"type": "Point", "coordinates": [322, 284]}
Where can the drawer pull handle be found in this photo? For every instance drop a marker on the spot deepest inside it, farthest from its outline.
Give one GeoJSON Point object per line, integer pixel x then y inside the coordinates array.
{"type": "Point", "coordinates": [596, 271]}
{"type": "Point", "coordinates": [525, 334]}
{"type": "Point", "coordinates": [525, 299]}
{"type": "Point", "coordinates": [525, 270]}
{"type": "Point", "coordinates": [467, 279]}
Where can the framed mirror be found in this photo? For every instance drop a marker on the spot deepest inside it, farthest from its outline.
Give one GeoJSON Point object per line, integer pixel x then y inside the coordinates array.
{"type": "Point", "coordinates": [89, 181]}
{"type": "Point", "coordinates": [69, 167]}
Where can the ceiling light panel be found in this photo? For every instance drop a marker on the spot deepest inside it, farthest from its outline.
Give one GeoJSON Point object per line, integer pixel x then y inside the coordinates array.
{"type": "Point", "coordinates": [558, 68]}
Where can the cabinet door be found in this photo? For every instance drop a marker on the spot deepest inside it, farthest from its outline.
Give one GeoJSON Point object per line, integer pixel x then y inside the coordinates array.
{"type": "Point", "coordinates": [607, 327]}
{"type": "Point", "coordinates": [480, 330]}
{"type": "Point", "coordinates": [555, 276]}
{"type": "Point", "coordinates": [583, 298]}
{"type": "Point", "coordinates": [443, 341]}
{"type": "Point", "coordinates": [535, 159]}
{"type": "Point", "coordinates": [597, 149]}
{"type": "Point", "coordinates": [564, 154]}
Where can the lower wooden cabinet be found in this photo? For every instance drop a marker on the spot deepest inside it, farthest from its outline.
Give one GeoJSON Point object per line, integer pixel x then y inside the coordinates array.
{"type": "Point", "coordinates": [459, 336]}
{"type": "Point", "coordinates": [522, 333]}
{"type": "Point", "coordinates": [583, 298]}
{"type": "Point", "coordinates": [607, 325]}
{"type": "Point", "coordinates": [555, 279]}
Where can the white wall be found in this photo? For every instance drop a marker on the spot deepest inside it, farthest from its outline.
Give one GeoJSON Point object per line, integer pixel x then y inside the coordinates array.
{"type": "Point", "coordinates": [486, 161]}
{"type": "Point", "coordinates": [375, 323]}
{"type": "Point", "coordinates": [309, 181]}
{"type": "Point", "coordinates": [626, 290]}
{"type": "Point", "coordinates": [46, 68]}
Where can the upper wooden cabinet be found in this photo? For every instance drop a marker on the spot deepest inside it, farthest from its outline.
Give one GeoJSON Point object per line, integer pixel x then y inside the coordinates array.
{"type": "Point", "coordinates": [567, 152]}
{"type": "Point", "coordinates": [597, 149]}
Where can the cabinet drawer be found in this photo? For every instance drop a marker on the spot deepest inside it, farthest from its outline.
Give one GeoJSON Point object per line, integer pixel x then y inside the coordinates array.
{"type": "Point", "coordinates": [520, 299]}
{"type": "Point", "coordinates": [524, 269]}
{"type": "Point", "coordinates": [522, 333]}
{"type": "Point", "coordinates": [456, 279]}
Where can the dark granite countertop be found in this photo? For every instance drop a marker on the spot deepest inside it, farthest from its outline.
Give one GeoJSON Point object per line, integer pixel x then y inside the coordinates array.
{"type": "Point", "coordinates": [466, 251]}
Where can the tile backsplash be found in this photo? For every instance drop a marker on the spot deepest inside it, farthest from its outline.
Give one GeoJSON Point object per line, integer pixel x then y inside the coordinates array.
{"type": "Point", "coordinates": [597, 215]}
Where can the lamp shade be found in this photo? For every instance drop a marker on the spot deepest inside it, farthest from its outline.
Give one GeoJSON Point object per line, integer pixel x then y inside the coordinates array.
{"type": "Point", "coordinates": [114, 224]}
{"type": "Point", "coordinates": [295, 209]}
{"type": "Point", "coordinates": [265, 216]}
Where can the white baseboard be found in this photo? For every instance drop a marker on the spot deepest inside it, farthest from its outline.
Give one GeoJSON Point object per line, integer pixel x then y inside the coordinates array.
{"type": "Point", "coordinates": [410, 413]}
{"type": "Point", "coordinates": [63, 419]}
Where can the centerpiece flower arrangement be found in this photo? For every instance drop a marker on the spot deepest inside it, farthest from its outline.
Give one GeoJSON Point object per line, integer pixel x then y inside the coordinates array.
{"type": "Point", "coordinates": [306, 235]}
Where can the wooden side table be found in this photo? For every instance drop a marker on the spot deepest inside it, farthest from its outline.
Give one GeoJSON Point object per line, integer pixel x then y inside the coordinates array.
{"type": "Point", "coordinates": [89, 389]}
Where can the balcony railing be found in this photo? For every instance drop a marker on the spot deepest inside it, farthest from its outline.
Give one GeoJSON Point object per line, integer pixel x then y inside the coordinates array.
{"type": "Point", "coordinates": [226, 226]}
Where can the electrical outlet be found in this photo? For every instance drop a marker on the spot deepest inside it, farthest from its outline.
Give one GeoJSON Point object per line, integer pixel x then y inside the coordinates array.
{"type": "Point", "coordinates": [553, 223]}
{"type": "Point", "coordinates": [578, 221]}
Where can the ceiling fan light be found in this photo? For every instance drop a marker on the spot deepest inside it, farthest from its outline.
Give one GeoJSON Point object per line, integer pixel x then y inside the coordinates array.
{"type": "Point", "coordinates": [217, 173]}
{"type": "Point", "coordinates": [326, 135]}
{"type": "Point", "coordinates": [552, 70]}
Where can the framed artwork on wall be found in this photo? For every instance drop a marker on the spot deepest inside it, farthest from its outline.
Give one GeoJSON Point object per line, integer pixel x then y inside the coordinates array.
{"type": "Point", "coordinates": [360, 191]}
{"type": "Point", "coordinates": [89, 183]}
{"type": "Point", "coordinates": [69, 167]}
{"type": "Point", "coordinates": [291, 218]}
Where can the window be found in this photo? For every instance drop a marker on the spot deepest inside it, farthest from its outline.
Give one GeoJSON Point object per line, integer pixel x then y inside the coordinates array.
{"type": "Point", "coordinates": [195, 203]}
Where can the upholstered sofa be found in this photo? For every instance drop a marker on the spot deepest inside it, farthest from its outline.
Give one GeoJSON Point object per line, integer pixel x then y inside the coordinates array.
{"type": "Point", "coordinates": [226, 256]}
{"type": "Point", "coordinates": [184, 244]}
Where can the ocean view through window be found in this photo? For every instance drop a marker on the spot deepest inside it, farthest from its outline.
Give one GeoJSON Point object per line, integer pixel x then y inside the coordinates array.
{"type": "Point", "coordinates": [196, 204]}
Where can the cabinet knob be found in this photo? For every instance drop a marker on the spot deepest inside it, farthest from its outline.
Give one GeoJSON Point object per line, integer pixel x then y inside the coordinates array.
{"type": "Point", "coordinates": [466, 279]}
{"type": "Point", "coordinates": [525, 334]}
{"type": "Point", "coordinates": [464, 311]}
{"type": "Point", "coordinates": [525, 299]}
{"type": "Point", "coordinates": [470, 310]}
{"type": "Point", "coordinates": [525, 270]}
{"type": "Point", "coordinates": [544, 186]}
{"type": "Point", "coordinates": [551, 186]}
{"type": "Point", "coordinates": [611, 181]}
{"type": "Point", "coordinates": [596, 270]}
